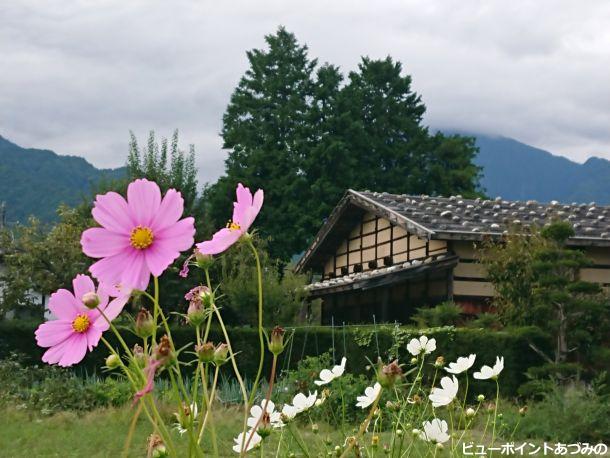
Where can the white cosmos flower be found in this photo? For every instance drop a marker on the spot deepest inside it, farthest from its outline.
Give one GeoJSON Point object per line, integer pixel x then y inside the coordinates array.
{"type": "Point", "coordinates": [242, 438]}
{"type": "Point", "coordinates": [421, 345]}
{"type": "Point", "coordinates": [257, 411]}
{"type": "Point", "coordinates": [435, 431]}
{"type": "Point", "coordinates": [446, 394]}
{"type": "Point", "coordinates": [370, 394]}
{"type": "Point", "coordinates": [302, 402]}
{"type": "Point", "coordinates": [290, 411]}
{"type": "Point", "coordinates": [487, 372]}
{"type": "Point", "coordinates": [462, 364]}
{"type": "Point", "coordinates": [327, 376]}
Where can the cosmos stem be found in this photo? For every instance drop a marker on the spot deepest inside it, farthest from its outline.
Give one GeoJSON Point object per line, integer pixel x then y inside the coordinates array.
{"type": "Point", "coordinates": [269, 391]}
{"type": "Point", "coordinates": [364, 425]}
{"type": "Point", "coordinates": [260, 323]}
{"type": "Point", "coordinates": [242, 386]}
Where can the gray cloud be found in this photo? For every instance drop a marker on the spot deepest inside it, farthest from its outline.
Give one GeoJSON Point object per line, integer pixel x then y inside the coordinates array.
{"type": "Point", "coordinates": [76, 76]}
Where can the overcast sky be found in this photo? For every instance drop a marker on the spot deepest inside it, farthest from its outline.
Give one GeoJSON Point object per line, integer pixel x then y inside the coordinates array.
{"type": "Point", "coordinates": [76, 76]}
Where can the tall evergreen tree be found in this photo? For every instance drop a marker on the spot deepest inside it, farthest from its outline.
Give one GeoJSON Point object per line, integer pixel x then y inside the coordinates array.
{"type": "Point", "coordinates": [329, 165]}
{"type": "Point", "coordinates": [264, 128]}
{"type": "Point", "coordinates": [394, 151]}
{"type": "Point", "coordinates": [305, 136]}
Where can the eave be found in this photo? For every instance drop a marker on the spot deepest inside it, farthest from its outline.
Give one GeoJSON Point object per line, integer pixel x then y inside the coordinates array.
{"type": "Point", "coordinates": [383, 277]}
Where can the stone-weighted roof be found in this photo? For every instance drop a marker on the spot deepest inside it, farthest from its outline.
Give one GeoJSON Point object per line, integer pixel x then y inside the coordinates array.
{"type": "Point", "coordinates": [455, 218]}
{"type": "Point", "coordinates": [446, 215]}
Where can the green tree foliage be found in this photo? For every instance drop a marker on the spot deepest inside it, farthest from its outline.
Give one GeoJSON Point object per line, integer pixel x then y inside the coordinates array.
{"type": "Point", "coordinates": [41, 260]}
{"type": "Point", "coordinates": [165, 164]}
{"type": "Point", "coordinates": [265, 128]}
{"type": "Point", "coordinates": [235, 274]}
{"type": "Point", "coordinates": [537, 278]}
{"type": "Point", "coordinates": [301, 133]}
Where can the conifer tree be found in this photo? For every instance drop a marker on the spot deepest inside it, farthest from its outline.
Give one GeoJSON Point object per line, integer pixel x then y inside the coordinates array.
{"type": "Point", "coordinates": [305, 136]}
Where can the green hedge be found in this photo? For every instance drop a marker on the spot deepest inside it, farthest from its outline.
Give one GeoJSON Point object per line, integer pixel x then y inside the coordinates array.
{"type": "Point", "coordinates": [359, 344]}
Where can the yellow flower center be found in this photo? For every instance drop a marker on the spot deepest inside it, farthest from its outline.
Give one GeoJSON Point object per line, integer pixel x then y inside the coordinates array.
{"type": "Point", "coordinates": [233, 226]}
{"type": "Point", "coordinates": [81, 323]}
{"type": "Point", "coordinates": [141, 237]}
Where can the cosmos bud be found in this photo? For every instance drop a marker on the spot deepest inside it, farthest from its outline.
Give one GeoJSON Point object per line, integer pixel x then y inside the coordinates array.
{"type": "Point", "coordinates": [163, 350]}
{"type": "Point", "coordinates": [204, 261]}
{"type": "Point", "coordinates": [389, 374]}
{"type": "Point", "coordinates": [276, 343]}
{"type": "Point", "coordinates": [145, 324]}
{"type": "Point", "coordinates": [470, 412]}
{"type": "Point", "coordinates": [195, 314]}
{"type": "Point", "coordinates": [221, 354]}
{"type": "Point", "coordinates": [156, 447]}
{"type": "Point", "coordinates": [480, 398]}
{"type": "Point", "coordinates": [113, 361]}
{"type": "Point", "coordinates": [91, 300]}
{"type": "Point", "coordinates": [205, 352]}
{"type": "Point", "coordinates": [138, 354]}
{"type": "Point", "coordinates": [440, 362]}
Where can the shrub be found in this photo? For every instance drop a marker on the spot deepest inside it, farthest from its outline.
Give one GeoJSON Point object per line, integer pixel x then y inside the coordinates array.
{"type": "Point", "coordinates": [360, 344]}
{"type": "Point", "coordinates": [486, 321]}
{"type": "Point", "coordinates": [49, 389]}
{"type": "Point", "coordinates": [574, 412]}
{"type": "Point", "coordinates": [444, 314]}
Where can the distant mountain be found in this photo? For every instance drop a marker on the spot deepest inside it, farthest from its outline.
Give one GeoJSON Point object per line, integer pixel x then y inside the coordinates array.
{"type": "Point", "coordinates": [516, 171]}
{"type": "Point", "coordinates": [35, 181]}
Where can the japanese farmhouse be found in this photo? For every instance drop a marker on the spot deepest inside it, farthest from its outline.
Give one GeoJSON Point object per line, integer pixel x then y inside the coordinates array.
{"type": "Point", "coordinates": [385, 255]}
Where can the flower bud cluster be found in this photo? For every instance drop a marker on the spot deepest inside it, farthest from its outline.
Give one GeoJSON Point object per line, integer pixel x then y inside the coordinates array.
{"type": "Point", "coordinates": [208, 353]}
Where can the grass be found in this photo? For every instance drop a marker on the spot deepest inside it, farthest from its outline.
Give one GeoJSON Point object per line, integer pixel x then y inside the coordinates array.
{"type": "Point", "coordinates": [101, 433]}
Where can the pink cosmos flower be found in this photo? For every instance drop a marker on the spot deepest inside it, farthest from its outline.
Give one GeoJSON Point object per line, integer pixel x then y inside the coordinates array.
{"type": "Point", "coordinates": [77, 327]}
{"type": "Point", "coordinates": [139, 236]}
{"type": "Point", "coordinates": [149, 371]}
{"type": "Point", "coordinates": [245, 211]}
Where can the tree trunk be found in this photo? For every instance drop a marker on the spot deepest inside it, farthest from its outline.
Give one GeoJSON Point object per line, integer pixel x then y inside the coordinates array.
{"type": "Point", "coordinates": [561, 354]}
